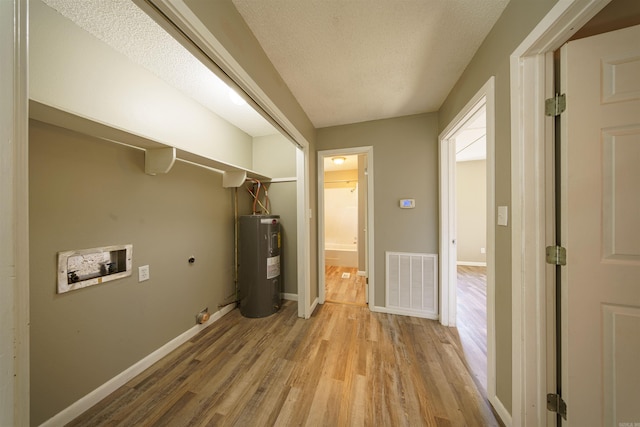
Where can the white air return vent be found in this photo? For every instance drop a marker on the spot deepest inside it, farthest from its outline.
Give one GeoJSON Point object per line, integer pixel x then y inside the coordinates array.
{"type": "Point", "coordinates": [412, 284]}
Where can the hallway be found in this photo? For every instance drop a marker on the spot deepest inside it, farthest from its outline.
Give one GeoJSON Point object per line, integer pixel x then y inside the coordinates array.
{"type": "Point", "coordinates": [345, 366]}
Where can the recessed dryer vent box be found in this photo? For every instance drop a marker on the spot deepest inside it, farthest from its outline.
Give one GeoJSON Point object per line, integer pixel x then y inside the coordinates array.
{"type": "Point", "coordinates": [87, 267]}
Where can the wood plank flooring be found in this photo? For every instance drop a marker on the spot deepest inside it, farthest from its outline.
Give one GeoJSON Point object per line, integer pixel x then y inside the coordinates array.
{"type": "Point", "coordinates": [346, 291]}
{"type": "Point", "coordinates": [472, 320]}
{"type": "Point", "coordinates": [346, 366]}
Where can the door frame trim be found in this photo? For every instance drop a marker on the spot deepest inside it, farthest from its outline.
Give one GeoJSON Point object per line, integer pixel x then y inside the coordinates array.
{"type": "Point", "coordinates": [447, 193]}
{"type": "Point", "coordinates": [302, 229]}
{"type": "Point", "coordinates": [485, 97]}
{"type": "Point", "coordinates": [531, 133]}
{"type": "Point", "coordinates": [14, 221]}
{"type": "Point", "coordinates": [368, 150]}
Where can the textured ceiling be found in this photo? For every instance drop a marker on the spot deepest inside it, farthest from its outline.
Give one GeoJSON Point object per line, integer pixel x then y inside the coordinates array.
{"type": "Point", "coordinates": [345, 61]}
{"type": "Point", "coordinates": [127, 29]}
{"type": "Point", "coordinates": [360, 60]}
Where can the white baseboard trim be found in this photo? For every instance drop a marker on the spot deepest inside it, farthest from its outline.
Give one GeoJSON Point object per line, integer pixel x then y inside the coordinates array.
{"type": "Point", "coordinates": [289, 297]}
{"type": "Point", "coordinates": [403, 312]}
{"type": "Point", "coordinates": [362, 273]}
{"type": "Point", "coordinates": [83, 404]}
{"type": "Point", "coordinates": [502, 412]}
{"type": "Point", "coordinates": [472, 263]}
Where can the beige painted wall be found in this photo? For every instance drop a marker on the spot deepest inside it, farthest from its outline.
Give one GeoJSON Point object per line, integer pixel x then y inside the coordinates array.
{"type": "Point", "coordinates": [492, 59]}
{"type": "Point", "coordinates": [225, 23]}
{"type": "Point", "coordinates": [275, 156]}
{"type": "Point", "coordinates": [405, 159]}
{"type": "Point", "coordinates": [86, 193]}
{"type": "Point", "coordinates": [471, 210]}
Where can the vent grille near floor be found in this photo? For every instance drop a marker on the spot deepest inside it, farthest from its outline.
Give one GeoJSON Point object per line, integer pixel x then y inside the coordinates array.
{"type": "Point", "coordinates": [412, 284]}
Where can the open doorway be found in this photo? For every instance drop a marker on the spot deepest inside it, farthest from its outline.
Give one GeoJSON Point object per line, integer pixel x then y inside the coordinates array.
{"type": "Point", "coordinates": [344, 197]}
{"type": "Point", "coordinates": [467, 231]}
{"type": "Point", "coordinates": [471, 242]}
{"type": "Point", "coordinates": [343, 245]}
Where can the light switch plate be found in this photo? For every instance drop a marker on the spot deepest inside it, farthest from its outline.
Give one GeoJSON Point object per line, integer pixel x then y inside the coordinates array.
{"type": "Point", "coordinates": [143, 273]}
{"type": "Point", "coordinates": [503, 215]}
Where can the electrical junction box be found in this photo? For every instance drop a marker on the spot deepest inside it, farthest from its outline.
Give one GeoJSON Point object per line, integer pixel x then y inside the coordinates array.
{"type": "Point", "coordinates": [407, 203]}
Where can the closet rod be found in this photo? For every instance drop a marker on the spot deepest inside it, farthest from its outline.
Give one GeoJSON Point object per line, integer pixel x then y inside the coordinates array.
{"type": "Point", "coordinates": [341, 181]}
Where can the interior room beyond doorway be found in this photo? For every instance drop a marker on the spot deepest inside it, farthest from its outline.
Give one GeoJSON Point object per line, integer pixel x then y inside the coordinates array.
{"type": "Point", "coordinates": [471, 242]}
{"type": "Point", "coordinates": [343, 223]}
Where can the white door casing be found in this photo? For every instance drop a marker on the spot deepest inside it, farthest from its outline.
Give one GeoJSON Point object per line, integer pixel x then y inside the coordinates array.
{"type": "Point", "coordinates": [448, 254]}
{"type": "Point", "coordinates": [448, 250]}
{"type": "Point", "coordinates": [14, 214]}
{"type": "Point", "coordinates": [303, 221]}
{"type": "Point", "coordinates": [370, 279]}
{"type": "Point", "coordinates": [485, 97]}
{"type": "Point", "coordinates": [531, 70]}
{"type": "Point", "coordinates": [600, 228]}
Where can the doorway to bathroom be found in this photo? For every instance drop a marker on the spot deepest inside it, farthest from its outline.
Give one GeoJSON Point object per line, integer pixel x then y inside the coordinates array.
{"type": "Point", "coordinates": [343, 249]}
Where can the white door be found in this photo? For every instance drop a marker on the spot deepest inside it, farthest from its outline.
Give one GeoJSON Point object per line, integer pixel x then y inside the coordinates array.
{"type": "Point", "coordinates": [600, 227]}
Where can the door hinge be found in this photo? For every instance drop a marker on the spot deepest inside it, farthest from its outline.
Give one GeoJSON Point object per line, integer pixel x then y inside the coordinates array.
{"type": "Point", "coordinates": [556, 105]}
{"type": "Point", "coordinates": [556, 255]}
{"type": "Point", "coordinates": [557, 405]}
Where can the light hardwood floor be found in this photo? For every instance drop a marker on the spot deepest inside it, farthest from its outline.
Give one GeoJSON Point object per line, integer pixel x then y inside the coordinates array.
{"type": "Point", "coordinates": [472, 320]}
{"type": "Point", "coordinates": [345, 366]}
{"type": "Point", "coordinates": [344, 290]}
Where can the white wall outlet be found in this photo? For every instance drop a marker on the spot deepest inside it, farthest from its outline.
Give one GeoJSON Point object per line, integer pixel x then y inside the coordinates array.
{"type": "Point", "coordinates": [483, 250]}
{"type": "Point", "coordinates": [143, 273]}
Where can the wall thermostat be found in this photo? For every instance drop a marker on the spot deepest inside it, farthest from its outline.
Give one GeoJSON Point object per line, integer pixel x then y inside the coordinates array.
{"type": "Point", "coordinates": [407, 203]}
